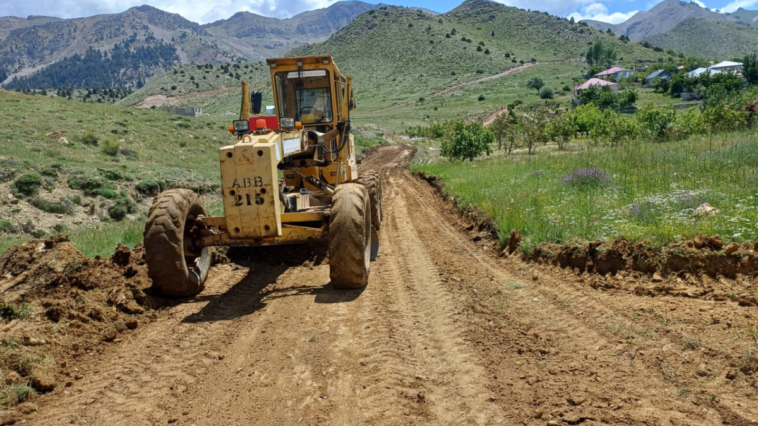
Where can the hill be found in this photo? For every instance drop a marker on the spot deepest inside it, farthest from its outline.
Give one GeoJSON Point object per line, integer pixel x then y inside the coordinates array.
{"type": "Point", "coordinates": [87, 154]}
{"type": "Point", "coordinates": [403, 58]}
{"type": "Point", "coordinates": [709, 39]}
{"type": "Point", "coordinates": [125, 50]}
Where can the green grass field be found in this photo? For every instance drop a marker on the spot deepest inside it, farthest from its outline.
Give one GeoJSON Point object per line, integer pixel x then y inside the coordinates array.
{"type": "Point", "coordinates": [153, 145]}
{"type": "Point", "coordinates": [650, 192]}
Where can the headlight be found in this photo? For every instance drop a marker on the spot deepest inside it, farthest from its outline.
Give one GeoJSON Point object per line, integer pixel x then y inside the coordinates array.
{"type": "Point", "coordinates": [241, 125]}
{"type": "Point", "coordinates": [287, 122]}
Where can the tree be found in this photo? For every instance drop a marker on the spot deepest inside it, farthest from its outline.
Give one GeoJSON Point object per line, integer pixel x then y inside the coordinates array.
{"type": "Point", "coordinates": [750, 68]}
{"type": "Point", "coordinates": [500, 128]}
{"type": "Point", "coordinates": [535, 83]}
{"type": "Point", "coordinates": [561, 129]}
{"type": "Point", "coordinates": [536, 130]}
{"type": "Point", "coordinates": [466, 141]}
{"type": "Point", "coordinates": [599, 54]}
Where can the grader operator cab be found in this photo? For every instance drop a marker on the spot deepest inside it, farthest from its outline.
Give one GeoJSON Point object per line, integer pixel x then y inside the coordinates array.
{"type": "Point", "coordinates": [286, 179]}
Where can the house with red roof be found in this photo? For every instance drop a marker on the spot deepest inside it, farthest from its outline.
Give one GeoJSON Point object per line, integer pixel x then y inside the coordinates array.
{"type": "Point", "coordinates": [597, 83]}
{"type": "Point", "coordinates": [615, 73]}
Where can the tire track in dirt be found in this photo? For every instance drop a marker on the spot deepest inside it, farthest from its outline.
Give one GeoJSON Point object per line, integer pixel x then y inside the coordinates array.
{"type": "Point", "coordinates": [552, 322]}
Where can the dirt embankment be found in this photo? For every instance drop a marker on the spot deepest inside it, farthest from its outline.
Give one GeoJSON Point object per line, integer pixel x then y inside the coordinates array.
{"type": "Point", "coordinates": [703, 267]}
{"type": "Point", "coordinates": [60, 310]}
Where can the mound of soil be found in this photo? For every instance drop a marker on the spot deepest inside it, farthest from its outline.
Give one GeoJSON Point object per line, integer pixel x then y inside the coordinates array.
{"type": "Point", "coordinates": [702, 267]}
{"type": "Point", "coordinates": [73, 305]}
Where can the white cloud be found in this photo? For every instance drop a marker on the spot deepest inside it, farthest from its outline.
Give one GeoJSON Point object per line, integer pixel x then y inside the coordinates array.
{"type": "Point", "coordinates": [197, 11]}
{"type": "Point", "coordinates": [599, 12]}
{"type": "Point", "coordinates": [555, 7]}
{"type": "Point", "coordinates": [699, 3]}
{"type": "Point", "coordinates": [733, 6]}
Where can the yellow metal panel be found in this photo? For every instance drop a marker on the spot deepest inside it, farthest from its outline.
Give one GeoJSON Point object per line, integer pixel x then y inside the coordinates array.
{"type": "Point", "coordinates": [303, 216]}
{"type": "Point", "coordinates": [250, 187]}
{"type": "Point", "coordinates": [290, 235]}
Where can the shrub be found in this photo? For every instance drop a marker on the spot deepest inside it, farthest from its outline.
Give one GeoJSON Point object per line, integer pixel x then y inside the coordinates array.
{"type": "Point", "coordinates": [5, 225]}
{"type": "Point", "coordinates": [589, 177]}
{"type": "Point", "coordinates": [89, 138]}
{"type": "Point", "coordinates": [90, 185]}
{"type": "Point", "coordinates": [546, 93]}
{"type": "Point", "coordinates": [52, 206]}
{"type": "Point", "coordinates": [480, 71]}
{"type": "Point", "coordinates": [116, 175]}
{"type": "Point", "coordinates": [27, 185]}
{"type": "Point", "coordinates": [481, 98]}
{"type": "Point", "coordinates": [123, 206]}
{"type": "Point", "coordinates": [50, 171]}
{"type": "Point", "coordinates": [151, 187]}
{"type": "Point", "coordinates": [486, 51]}
{"type": "Point", "coordinates": [108, 193]}
{"type": "Point", "coordinates": [110, 148]}
{"type": "Point", "coordinates": [479, 48]}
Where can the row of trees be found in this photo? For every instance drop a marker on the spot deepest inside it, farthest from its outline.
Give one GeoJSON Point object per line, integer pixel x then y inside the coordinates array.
{"type": "Point", "coordinates": [720, 112]}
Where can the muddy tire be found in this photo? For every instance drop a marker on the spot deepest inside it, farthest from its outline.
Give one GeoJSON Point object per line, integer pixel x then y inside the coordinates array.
{"type": "Point", "coordinates": [350, 236]}
{"type": "Point", "coordinates": [373, 184]}
{"type": "Point", "coordinates": [175, 266]}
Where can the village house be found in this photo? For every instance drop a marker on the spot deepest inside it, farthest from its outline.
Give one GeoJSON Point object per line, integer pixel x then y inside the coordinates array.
{"type": "Point", "coordinates": [616, 73]}
{"type": "Point", "coordinates": [662, 74]}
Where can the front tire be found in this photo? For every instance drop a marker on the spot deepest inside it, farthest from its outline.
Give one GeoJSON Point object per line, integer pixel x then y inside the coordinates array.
{"type": "Point", "coordinates": [177, 268]}
{"type": "Point", "coordinates": [350, 236]}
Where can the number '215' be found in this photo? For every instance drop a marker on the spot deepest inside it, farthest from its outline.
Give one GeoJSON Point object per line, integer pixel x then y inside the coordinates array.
{"type": "Point", "coordinates": [240, 200]}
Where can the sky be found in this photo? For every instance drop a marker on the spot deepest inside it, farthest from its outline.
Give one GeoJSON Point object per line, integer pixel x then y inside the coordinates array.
{"type": "Point", "coordinates": [612, 11]}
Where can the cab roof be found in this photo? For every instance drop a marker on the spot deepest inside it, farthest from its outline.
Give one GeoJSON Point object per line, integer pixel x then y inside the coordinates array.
{"type": "Point", "coordinates": [305, 60]}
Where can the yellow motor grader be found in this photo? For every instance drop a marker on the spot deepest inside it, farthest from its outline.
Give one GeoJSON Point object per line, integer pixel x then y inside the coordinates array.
{"type": "Point", "coordinates": [288, 178]}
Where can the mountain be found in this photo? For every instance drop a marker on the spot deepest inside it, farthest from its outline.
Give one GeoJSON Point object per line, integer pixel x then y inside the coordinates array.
{"type": "Point", "coordinates": [127, 49]}
{"type": "Point", "coordinates": [690, 29]}
{"type": "Point", "coordinates": [271, 37]}
{"type": "Point", "coordinates": [749, 17]}
{"type": "Point", "coordinates": [708, 39]}
{"type": "Point", "coordinates": [660, 19]}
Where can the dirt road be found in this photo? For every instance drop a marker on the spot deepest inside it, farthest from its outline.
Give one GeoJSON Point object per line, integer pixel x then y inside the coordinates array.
{"type": "Point", "coordinates": [446, 332]}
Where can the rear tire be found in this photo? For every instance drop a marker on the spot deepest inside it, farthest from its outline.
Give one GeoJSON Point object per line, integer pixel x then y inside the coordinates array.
{"type": "Point", "coordinates": [176, 267]}
{"type": "Point", "coordinates": [350, 236]}
{"type": "Point", "coordinates": [373, 184]}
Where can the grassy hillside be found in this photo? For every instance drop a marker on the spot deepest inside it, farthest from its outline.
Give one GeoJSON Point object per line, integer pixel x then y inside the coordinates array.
{"type": "Point", "coordinates": [215, 88]}
{"type": "Point", "coordinates": [92, 158]}
{"type": "Point", "coordinates": [398, 55]}
{"type": "Point", "coordinates": [710, 39]}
